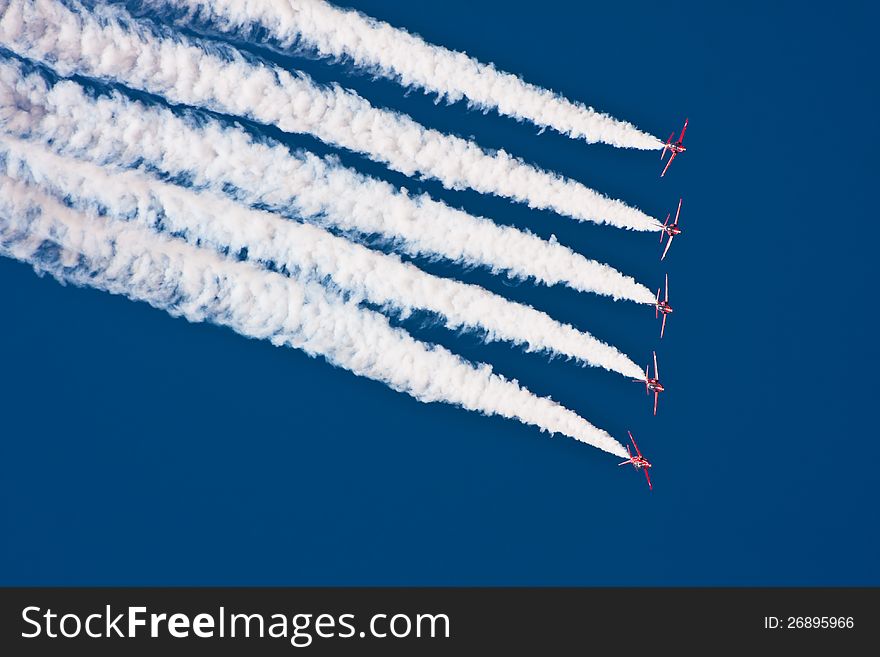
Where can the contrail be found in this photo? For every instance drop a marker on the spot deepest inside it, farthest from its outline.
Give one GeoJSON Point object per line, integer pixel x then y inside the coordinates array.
{"type": "Point", "coordinates": [306, 251]}
{"type": "Point", "coordinates": [389, 52]}
{"type": "Point", "coordinates": [139, 54]}
{"type": "Point", "coordinates": [115, 130]}
{"type": "Point", "coordinates": [200, 285]}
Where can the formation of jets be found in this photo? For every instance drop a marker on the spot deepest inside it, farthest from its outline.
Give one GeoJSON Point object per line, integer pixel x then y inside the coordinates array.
{"type": "Point", "coordinates": [670, 230]}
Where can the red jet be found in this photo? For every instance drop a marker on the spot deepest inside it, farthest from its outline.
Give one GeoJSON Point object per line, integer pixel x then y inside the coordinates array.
{"type": "Point", "coordinates": [663, 307]}
{"type": "Point", "coordinates": [652, 384]}
{"type": "Point", "coordinates": [638, 461]}
{"type": "Point", "coordinates": [675, 148]}
{"type": "Point", "coordinates": [671, 230]}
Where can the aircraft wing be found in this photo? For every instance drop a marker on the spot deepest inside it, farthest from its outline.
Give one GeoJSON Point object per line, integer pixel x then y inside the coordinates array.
{"type": "Point", "coordinates": [663, 326]}
{"type": "Point", "coordinates": [656, 370]}
{"type": "Point", "coordinates": [634, 444]}
{"type": "Point", "coordinates": [656, 396]}
{"type": "Point", "coordinates": [671, 157]}
{"type": "Point", "coordinates": [667, 289]}
{"type": "Point", "coordinates": [648, 477]}
{"type": "Point", "coordinates": [681, 139]}
{"type": "Point", "coordinates": [667, 247]}
{"type": "Point", "coordinates": [677, 212]}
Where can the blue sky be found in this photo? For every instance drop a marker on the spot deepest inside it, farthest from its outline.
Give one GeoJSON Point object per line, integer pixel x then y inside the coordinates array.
{"type": "Point", "coordinates": [139, 449]}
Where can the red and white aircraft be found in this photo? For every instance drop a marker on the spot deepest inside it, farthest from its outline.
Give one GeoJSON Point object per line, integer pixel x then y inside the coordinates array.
{"type": "Point", "coordinates": [675, 148]}
{"type": "Point", "coordinates": [638, 461]}
{"type": "Point", "coordinates": [663, 307]}
{"type": "Point", "coordinates": [671, 230]}
{"type": "Point", "coordinates": [652, 384]}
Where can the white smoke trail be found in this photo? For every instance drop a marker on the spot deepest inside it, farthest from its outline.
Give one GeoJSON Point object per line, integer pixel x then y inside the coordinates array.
{"type": "Point", "coordinates": [113, 46]}
{"type": "Point", "coordinates": [396, 54]}
{"type": "Point", "coordinates": [201, 286]}
{"type": "Point", "coordinates": [116, 130]}
{"type": "Point", "coordinates": [306, 251]}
